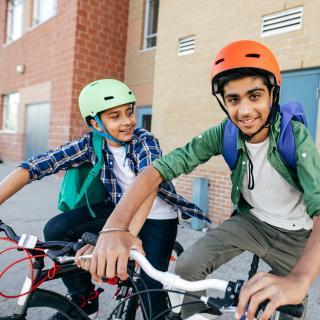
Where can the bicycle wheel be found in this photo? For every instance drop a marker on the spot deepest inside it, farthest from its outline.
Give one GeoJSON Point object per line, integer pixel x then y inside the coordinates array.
{"type": "Point", "coordinates": [133, 305]}
{"type": "Point", "coordinates": [42, 298]}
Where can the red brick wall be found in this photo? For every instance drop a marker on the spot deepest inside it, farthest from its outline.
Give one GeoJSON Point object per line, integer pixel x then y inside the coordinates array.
{"type": "Point", "coordinates": [100, 48]}
{"type": "Point", "coordinates": [85, 41]}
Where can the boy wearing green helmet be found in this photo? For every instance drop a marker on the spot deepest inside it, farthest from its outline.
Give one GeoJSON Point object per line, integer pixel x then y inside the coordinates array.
{"type": "Point", "coordinates": [107, 107]}
{"type": "Point", "coordinates": [276, 207]}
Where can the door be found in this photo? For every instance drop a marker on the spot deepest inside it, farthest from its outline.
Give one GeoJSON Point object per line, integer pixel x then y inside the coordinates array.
{"type": "Point", "coordinates": [36, 129]}
{"type": "Point", "coordinates": [303, 86]}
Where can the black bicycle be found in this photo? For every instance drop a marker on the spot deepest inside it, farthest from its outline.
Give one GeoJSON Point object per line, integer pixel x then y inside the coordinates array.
{"type": "Point", "coordinates": [61, 253]}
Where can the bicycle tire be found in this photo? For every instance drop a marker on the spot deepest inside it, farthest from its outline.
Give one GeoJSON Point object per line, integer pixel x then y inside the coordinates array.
{"type": "Point", "coordinates": [42, 298]}
{"type": "Point", "coordinates": [132, 305]}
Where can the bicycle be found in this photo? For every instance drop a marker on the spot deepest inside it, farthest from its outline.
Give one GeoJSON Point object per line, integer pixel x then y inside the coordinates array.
{"type": "Point", "coordinates": [62, 254]}
{"type": "Point", "coordinates": [173, 284]}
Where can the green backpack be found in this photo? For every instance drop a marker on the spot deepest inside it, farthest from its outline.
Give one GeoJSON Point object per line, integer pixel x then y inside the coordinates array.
{"type": "Point", "coordinates": [82, 186]}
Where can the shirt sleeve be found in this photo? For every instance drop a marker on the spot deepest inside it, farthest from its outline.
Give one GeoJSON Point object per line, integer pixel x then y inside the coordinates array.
{"type": "Point", "coordinates": [147, 150]}
{"type": "Point", "coordinates": [199, 150]}
{"type": "Point", "coordinates": [308, 168]}
{"type": "Point", "coordinates": [69, 155]}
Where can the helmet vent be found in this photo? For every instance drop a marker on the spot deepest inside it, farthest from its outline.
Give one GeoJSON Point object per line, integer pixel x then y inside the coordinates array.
{"type": "Point", "coordinates": [219, 61]}
{"type": "Point", "coordinates": [253, 55]}
{"type": "Point", "coordinates": [108, 98]}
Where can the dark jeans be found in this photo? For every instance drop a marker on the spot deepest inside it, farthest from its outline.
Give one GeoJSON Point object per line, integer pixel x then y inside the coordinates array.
{"type": "Point", "coordinates": [158, 237]}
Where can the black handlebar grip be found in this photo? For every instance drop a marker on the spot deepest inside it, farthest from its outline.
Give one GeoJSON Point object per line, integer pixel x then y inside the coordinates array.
{"type": "Point", "coordinates": [295, 310]}
{"type": "Point", "coordinates": [89, 238]}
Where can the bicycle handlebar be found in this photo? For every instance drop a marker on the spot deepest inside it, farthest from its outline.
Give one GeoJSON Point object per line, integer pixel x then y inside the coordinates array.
{"type": "Point", "coordinates": [166, 278]}
{"type": "Point", "coordinates": [174, 281]}
{"type": "Point", "coordinates": [39, 244]}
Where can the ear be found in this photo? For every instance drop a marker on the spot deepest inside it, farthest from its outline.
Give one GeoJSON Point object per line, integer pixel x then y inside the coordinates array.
{"type": "Point", "coordinates": [95, 125]}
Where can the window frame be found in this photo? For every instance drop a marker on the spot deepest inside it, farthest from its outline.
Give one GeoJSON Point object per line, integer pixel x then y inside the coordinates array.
{"type": "Point", "coordinates": [6, 105]}
{"type": "Point", "coordinates": [36, 16]}
{"type": "Point", "coordinates": [147, 21]}
{"type": "Point", "coordinates": [11, 20]}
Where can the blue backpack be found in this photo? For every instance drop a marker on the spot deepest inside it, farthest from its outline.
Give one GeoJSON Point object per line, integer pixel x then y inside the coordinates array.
{"type": "Point", "coordinates": [286, 144]}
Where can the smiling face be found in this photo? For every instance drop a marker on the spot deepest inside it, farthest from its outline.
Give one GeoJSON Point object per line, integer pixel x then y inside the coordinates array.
{"type": "Point", "coordinates": [119, 121]}
{"type": "Point", "coordinates": [248, 102]}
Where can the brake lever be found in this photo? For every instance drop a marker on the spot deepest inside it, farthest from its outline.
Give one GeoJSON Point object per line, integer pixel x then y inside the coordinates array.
{"type": "Point", "coordinates": [54, 255]}
{"type": "Point", "coordinates": [230, 300]}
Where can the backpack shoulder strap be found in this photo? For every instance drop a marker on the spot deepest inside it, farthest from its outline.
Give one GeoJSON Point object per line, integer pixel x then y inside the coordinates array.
{"type": "Point", "coordinates": [286, 143]}
{"type": "Point", "coordinates": [97, 141]}
{"type": "Point", "coordinates": [230, 143]}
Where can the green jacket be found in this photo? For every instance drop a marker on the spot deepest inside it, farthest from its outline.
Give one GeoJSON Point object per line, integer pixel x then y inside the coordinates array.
{"type": "Point", "coordinates": [210, 143]}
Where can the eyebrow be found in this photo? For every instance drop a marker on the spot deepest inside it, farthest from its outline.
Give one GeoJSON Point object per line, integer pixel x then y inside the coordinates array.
{"type": "Point", "coordinates": [248, 92]}
{"type": "Point", "coordinates": [117, 111]}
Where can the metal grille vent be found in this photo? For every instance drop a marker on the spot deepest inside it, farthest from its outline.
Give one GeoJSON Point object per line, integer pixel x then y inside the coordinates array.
{"type": "Point", "coordinates": [282, 22]}
{"type": "Point", "coordinates": [186, 45]}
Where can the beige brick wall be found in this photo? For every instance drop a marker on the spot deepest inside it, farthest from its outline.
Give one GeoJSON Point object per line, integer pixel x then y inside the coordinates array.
{"type": "Point", "coordinates": [182, 104]}
{"type": "Point", "coordinates": [139, 72]}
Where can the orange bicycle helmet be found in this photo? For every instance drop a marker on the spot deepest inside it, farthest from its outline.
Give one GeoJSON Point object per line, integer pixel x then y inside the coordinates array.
{"type": "Point", "coordinates": [244, 54]}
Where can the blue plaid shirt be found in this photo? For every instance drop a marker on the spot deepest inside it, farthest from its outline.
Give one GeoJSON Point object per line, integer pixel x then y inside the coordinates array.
{"type": "Point", "coordinates": [142, 150]}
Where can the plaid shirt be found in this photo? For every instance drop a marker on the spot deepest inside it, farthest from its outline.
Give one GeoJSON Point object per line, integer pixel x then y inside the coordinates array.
{"type": "Point", "coordinates": [142, 150]}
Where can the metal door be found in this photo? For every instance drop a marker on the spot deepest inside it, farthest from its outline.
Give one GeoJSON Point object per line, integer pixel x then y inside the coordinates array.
{"type": "Point", "coordinates": [36, 129]}
{"type": "Point", "coordinates": [303, 86]}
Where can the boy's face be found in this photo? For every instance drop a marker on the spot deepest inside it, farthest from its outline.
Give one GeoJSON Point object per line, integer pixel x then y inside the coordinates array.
{"type": "Point", "coordinates": [248, 103]}
{"type": "Point", "coordinates": [119, 121]}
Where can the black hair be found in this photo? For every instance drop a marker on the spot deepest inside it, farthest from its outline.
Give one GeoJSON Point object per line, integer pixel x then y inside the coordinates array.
{"type": "Point", "coordinates": [234, 74]}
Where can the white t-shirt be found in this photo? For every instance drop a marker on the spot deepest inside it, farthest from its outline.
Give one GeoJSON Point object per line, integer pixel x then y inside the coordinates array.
{"type": "Point", "coordinates": [160, 209]}
{"type": "Point", "coordinates": [273, 199]}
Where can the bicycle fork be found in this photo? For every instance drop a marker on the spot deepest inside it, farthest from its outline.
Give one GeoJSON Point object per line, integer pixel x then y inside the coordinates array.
{"type": "Point", "coordinates": [22, 303]}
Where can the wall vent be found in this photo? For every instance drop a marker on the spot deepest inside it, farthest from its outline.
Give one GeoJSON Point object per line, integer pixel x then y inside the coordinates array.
{"type": "Point", "coordinates": [186, 45]}
{"type": "Point", "coordinates": [281, 22]}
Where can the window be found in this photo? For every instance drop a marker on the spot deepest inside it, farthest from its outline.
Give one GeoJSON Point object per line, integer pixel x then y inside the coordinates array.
{"type": "Point", "coordinates": [144, 117]}
{"type": "Point", "coordinates": [43, 10]}
{"type": "Point", "coordinates": [10, 112]}
{"type": "Point", "coordinates": [15, 19]}
{"type": "Point", "coordinates": [150, 24]}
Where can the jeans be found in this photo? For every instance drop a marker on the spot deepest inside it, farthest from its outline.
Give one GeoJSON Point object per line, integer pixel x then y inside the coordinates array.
{"type": "Point", "coordinates": [157, 236]}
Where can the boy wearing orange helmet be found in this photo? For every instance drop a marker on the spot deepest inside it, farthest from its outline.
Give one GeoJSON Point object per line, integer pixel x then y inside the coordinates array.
{"type": "Point", "coordinates": [277, 207]}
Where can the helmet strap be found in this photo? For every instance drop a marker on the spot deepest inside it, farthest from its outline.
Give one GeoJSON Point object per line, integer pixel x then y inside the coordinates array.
{"type": "Point", "coordinates": [104, 132]}
{"type": "Point", "coordinates": [224, 109]}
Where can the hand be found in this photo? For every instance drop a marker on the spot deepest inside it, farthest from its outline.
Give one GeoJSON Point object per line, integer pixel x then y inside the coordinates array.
{"type": "Point", "coordinates": [279, 290]}
{"type": "Point", "coordinates": [86, 263]}
{"type": "Point", "coordinates": [111, 254]}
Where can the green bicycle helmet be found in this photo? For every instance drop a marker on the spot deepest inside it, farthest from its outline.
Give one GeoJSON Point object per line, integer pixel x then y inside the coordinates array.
{"type": "Point", "coordinates": [101, 95]}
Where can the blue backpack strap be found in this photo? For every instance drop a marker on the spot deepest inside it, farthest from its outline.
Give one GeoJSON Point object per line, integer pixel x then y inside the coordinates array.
{"type": "Point", "coordinates": [286, 143]}
{"type": "Point", "coordinates": [230, 144]}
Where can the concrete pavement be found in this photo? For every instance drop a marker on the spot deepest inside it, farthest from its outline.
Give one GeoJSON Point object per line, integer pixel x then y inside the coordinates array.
{"type": "Point", "coordinates": [28, 211]}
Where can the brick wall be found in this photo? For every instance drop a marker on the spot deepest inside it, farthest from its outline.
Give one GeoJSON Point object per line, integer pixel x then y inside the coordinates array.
{"type": "Point", "coordinates": [100, 48]}
{"type": "Point", "coordinates": [139, 73]}
{"type": "Point", "coordinates": [85, 41]}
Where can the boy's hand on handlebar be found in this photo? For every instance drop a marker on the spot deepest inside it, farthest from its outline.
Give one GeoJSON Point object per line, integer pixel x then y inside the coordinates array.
{"type": "Point", "coordinates": [111, 254]}
{"type": "Point", "coordinates": [265, 286]}
{"type": "Point", "coordinates": [84, 263]}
